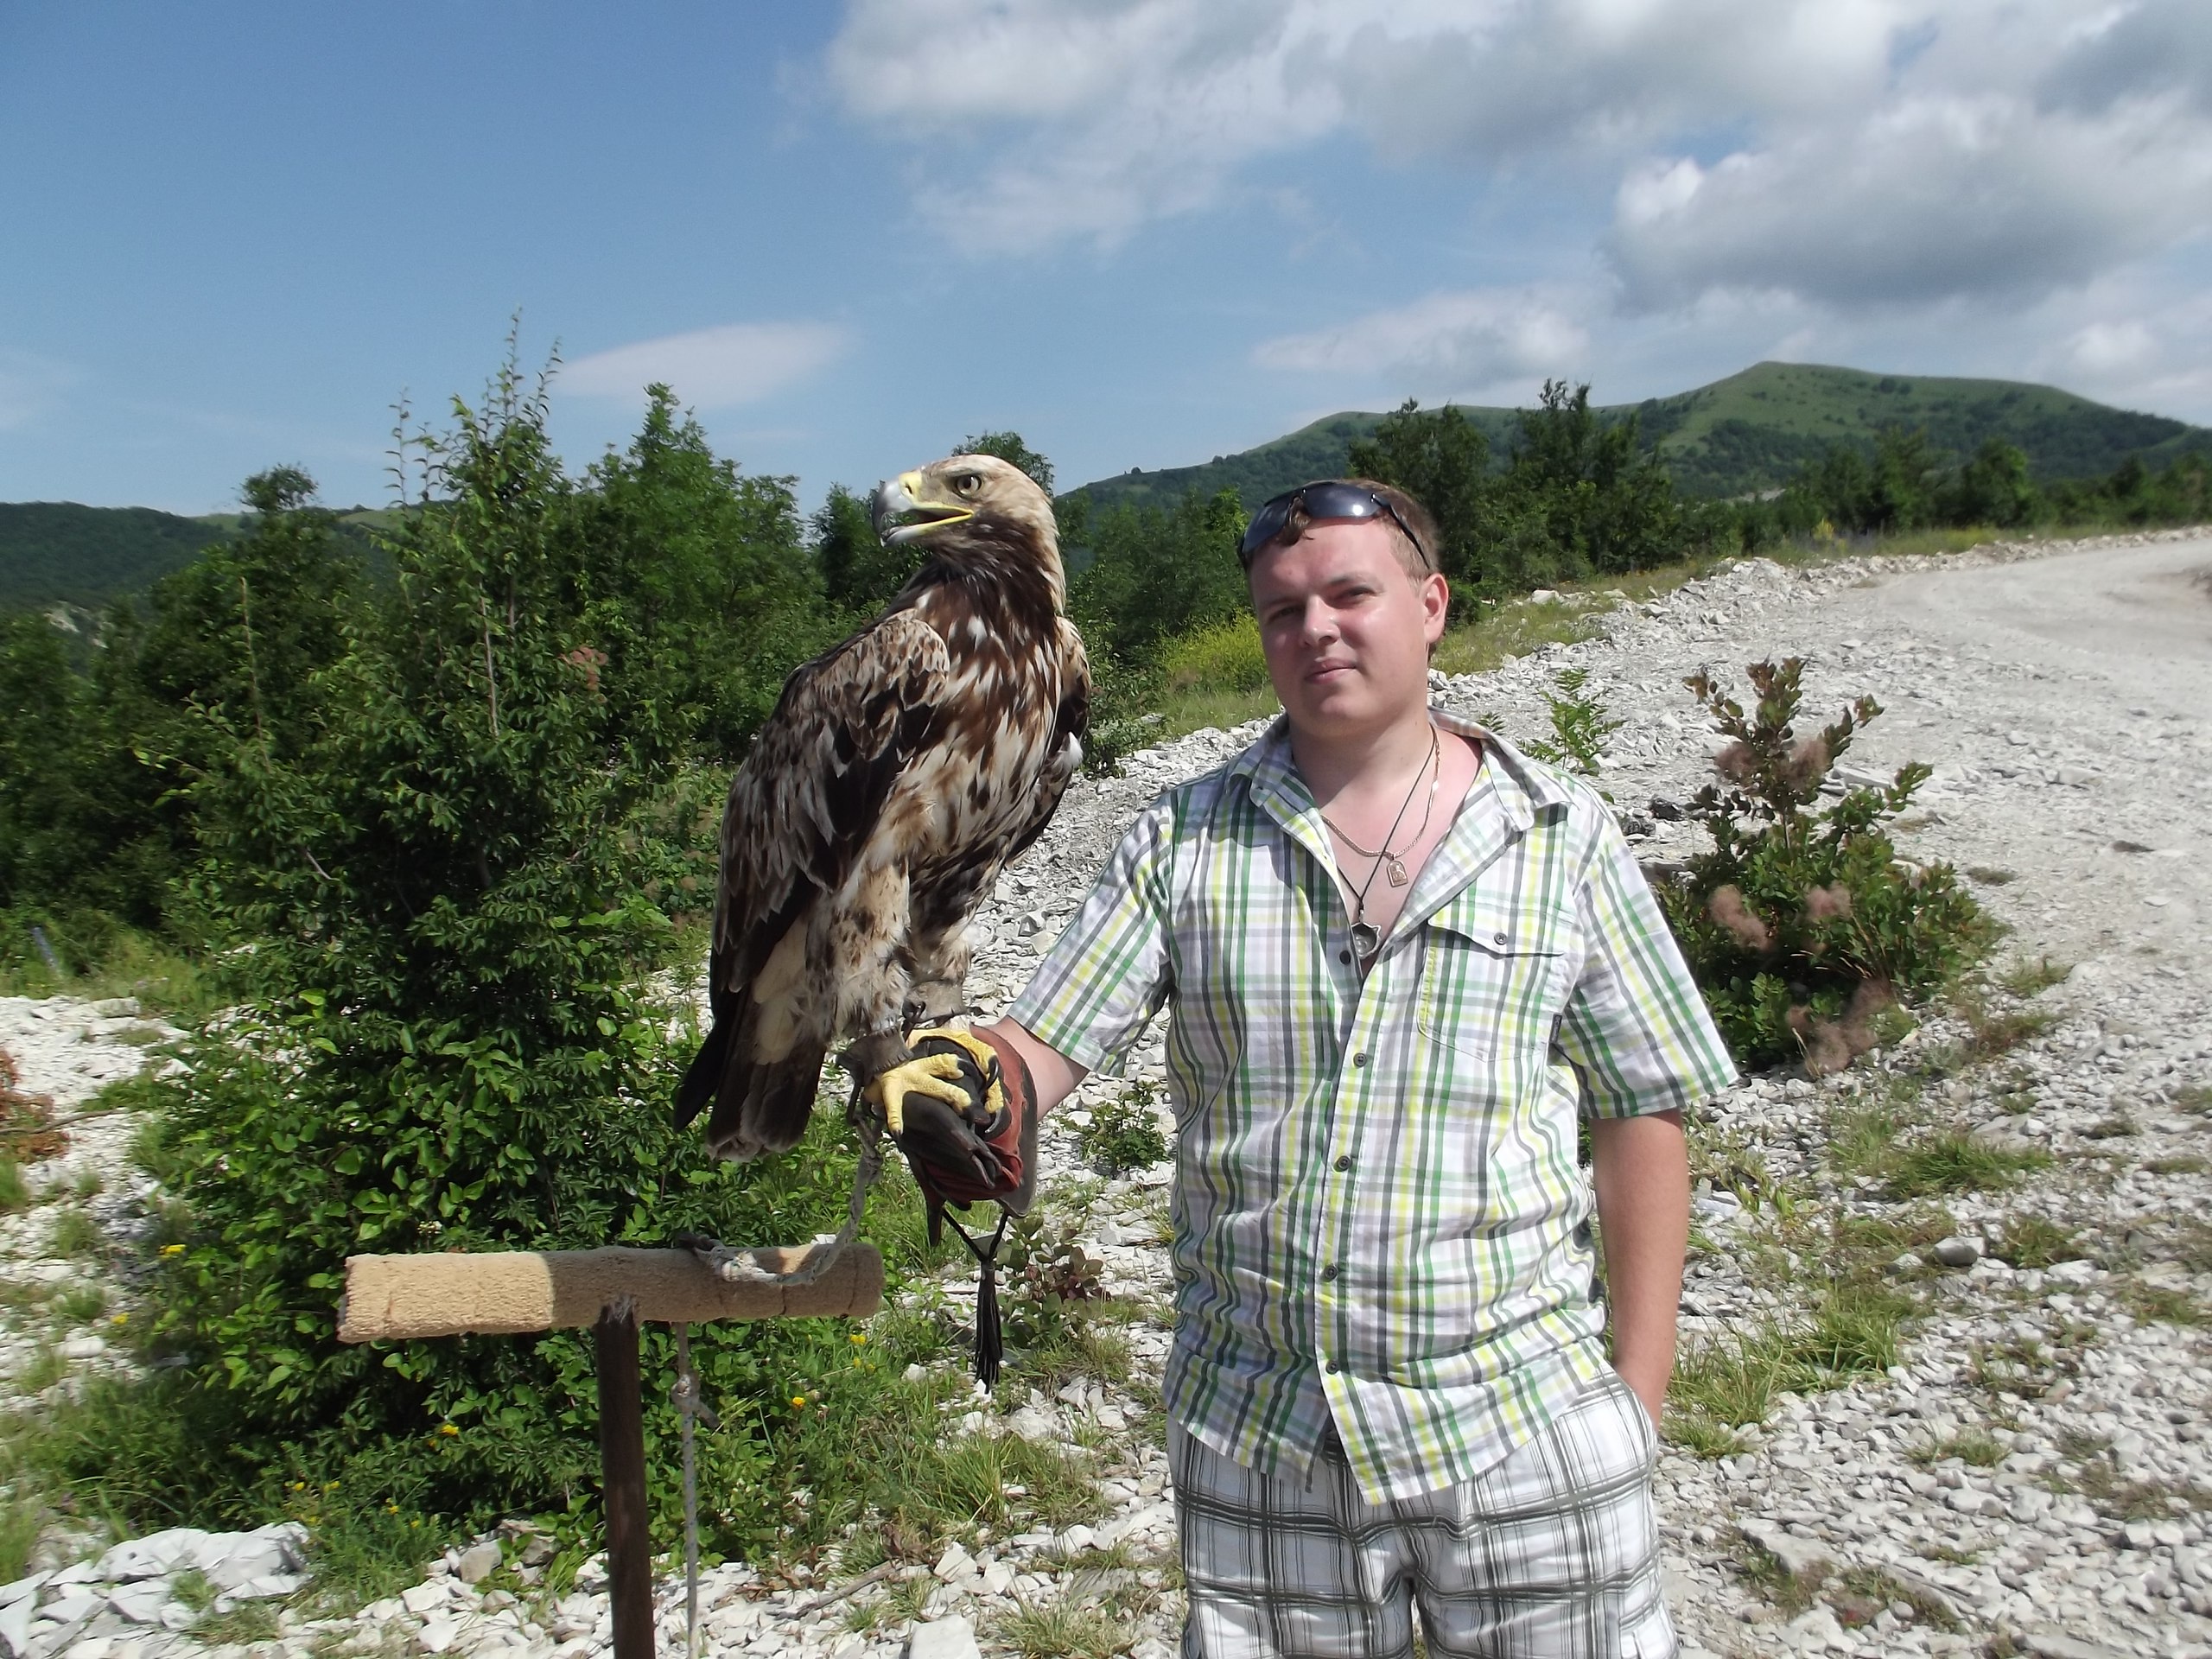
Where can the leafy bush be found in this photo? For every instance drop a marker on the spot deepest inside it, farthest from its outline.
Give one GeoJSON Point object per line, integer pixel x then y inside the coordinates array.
{"type": "Point", "coordinates": [1801, 926]}
{"type": "Point", "coordinates": [454, 887]}
{"type": "Point", "coordinates": [1580, 725]}
{"type": "Point", "coordinates": [1123, 1133]}
{"type": "Point", "coordinates": [1050, 1274]}
{"type": "Point", "coordinates": [1225, 655]}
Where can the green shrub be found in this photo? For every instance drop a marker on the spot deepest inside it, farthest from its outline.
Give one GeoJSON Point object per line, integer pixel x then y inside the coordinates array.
{"type": "Point", "coordinates": [1801, 925]}
{"type": "Point", "coordinates": [1579, 725]}
{"type": "Point", "coordinates": [1123, 1133]}
{"type": "Point", "coordinates": [1223, 656]}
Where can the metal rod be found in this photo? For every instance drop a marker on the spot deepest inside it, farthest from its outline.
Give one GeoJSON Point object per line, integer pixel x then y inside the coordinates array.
{"type": "Point", "coordinates": [622, 1476]}
{"type": "Point", "coordinates": [687, 1400]}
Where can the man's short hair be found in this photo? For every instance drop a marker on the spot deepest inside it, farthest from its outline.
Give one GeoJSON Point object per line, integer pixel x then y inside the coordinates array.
{"type": "Point", "coordinates": [1414, 515]}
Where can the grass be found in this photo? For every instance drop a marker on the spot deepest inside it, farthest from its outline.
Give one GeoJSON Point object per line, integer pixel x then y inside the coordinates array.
{"type": "Point", "coordinates": [2024, 1367]}
{"type": "Point", "coordinates": [113, 960]}
{"type": "Point", "coordinates": [1791, 1592]}
{"type": "Point", "coordinates": [1877, 1589]}
{"type": "Point", "coordinates": [1972, 1445]}
{"type": "Point", "coordinates": [21, 1520]}
{"type": "Point", "coordinates": [80, 1305]}
{"type": "Point", "coordinates": [2026, 979]}
{"type": "Point", "coordinates": [15, 1191]}
{"type": "Point", "coordinates": [1999, 1031]}
{"type": "Point", "coordinates": [2118, 1126]}
{"type": "Point", "coordinates": [2180, 1164]}
{"type": "Point", "coordinates": [75, 1233]}
{"type": "Point", "coordinates": [1731, 1380]}
{"type": "Point", "coordinates": [1071, 1627]}
{"type": "Point", "coordinates": [2161, 1304]}
{"type": "Point", "coordinates": [2195, 1098]}
{"type": "Point", "coordinates": [2028, 1240]}
{"type": "Point", "coordinates": [2136, 1500]}
{"type": "Point", "coordinates": [1990, 875]}
{"type": "Point", "coordinates": [1514, 628]}
{"type": "Point", "coordinates": [1953, 1161]}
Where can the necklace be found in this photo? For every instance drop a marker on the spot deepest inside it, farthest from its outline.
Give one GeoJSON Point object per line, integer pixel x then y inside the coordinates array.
{"type": "Point", "coordinates": [1366, 937]}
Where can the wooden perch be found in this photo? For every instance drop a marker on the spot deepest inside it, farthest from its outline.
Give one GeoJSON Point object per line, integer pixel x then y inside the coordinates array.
{"type": "Point", "coordinates": [396, 1297]}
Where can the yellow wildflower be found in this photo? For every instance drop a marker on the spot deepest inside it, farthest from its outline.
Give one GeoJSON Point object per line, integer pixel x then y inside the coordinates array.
{"type": "Point", "coordinates": [448, 1428]}
{"type": "Point", "coordinates": [172, 1249]}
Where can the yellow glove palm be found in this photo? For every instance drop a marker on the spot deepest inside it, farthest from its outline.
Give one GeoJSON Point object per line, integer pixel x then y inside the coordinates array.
{"type": "Point", "coordinates": [932, 1074]}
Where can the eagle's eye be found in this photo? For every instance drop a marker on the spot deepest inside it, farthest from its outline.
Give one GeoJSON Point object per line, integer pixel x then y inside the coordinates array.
{"type": "Point", "coordinates": [967, 484]}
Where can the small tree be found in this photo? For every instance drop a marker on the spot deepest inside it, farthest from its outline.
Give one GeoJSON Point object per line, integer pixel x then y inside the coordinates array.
{"type": "Point", "coordinates": [1801, 925]}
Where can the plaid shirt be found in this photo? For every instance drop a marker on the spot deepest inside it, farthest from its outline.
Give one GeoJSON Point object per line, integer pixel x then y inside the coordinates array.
{"type": "Point", "coordinates": [1378, 1215]}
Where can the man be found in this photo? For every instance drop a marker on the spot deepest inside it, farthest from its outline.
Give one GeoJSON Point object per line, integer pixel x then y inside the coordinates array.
{"type": "Point", "coordinates": [1404, 958]}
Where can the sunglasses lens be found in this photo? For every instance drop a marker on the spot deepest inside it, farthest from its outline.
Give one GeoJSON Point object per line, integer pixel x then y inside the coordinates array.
{"type": "Point", "coordinates": [1323, 500]}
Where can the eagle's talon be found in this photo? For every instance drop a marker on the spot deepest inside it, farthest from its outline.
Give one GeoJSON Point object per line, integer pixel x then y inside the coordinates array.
{"type": "Point", "coordinates": [926, 1076]}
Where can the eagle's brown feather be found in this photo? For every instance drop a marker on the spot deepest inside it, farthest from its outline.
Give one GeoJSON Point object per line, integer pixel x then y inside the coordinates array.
{"type": "Point", "coordinates": [898, 774]}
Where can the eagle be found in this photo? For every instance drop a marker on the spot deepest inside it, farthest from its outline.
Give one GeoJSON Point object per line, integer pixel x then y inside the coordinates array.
{"type": "Point", "coordinates": [900, 773]}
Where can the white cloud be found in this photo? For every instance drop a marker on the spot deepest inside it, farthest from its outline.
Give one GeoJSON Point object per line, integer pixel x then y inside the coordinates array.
{"type": "Point", "coordinates": [1925, 197]}
{"type": "Point", "coordinates": [1469, 339]}
{"type": "Point", "coordinates": [710, 368]}
{"type": "Point", "coordinates": [1882, 151]}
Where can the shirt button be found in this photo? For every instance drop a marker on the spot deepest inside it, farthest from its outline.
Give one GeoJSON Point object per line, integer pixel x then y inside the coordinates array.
{"type": "Point", "coordinates": [1344, 1162]}
{"type": "Point", "coordinates": [1343, 955]}
{"type": "Point", "coordinates": [1333, 1368]}
{"type": "Point", "coordinates": [1328, 1273]}
{"type": "Point", "coordinates": [1360, 1059]}
{"type": "Point", "coordinates": [1499, 938]}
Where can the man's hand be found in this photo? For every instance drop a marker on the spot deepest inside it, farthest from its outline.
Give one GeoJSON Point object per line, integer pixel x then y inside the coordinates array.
{"type": "Point", "coordinates": [1642, 1171]}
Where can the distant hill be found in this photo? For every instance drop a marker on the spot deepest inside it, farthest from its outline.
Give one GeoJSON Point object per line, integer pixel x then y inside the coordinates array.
{"type": "Point", "coordinates": [57, 551]}
{"type": "Point", "coordinates": [1751, 431]}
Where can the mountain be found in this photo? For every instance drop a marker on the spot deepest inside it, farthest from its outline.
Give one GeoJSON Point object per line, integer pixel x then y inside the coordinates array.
{"type": "Point", "coordinates": [59, 553]}
{"type": "Point", "coordinates": [1751, 431]}
{"type": "Point", "coordinates": [55, 551]}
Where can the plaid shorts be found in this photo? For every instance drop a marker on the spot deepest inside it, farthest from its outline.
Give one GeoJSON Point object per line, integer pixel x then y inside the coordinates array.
{"type": "Point", "coordinates": [1554, 1553]}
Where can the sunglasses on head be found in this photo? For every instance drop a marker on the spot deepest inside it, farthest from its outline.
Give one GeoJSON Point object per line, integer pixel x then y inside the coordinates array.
{"type": "Point", "coordinates": [1330, 499]}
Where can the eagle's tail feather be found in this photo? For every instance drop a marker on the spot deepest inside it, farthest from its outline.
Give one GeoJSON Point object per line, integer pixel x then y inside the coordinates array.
{"type": "Point", "coordinates": [704, 1075]}
{"type": "Point", "coordinates": [778, 1098]}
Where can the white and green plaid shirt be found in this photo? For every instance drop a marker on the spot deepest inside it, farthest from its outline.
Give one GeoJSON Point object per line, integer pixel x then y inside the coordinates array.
{"type": "Point", "coordinates": [1378, 1215]}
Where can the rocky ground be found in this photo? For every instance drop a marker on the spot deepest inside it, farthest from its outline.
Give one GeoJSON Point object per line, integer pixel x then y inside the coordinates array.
{"type": "Point", "coordinates": [2032, 1475]}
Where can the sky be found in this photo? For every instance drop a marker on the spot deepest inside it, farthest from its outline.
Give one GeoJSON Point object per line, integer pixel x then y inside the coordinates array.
{"type": "Point", "coordinates": [1141, 232]}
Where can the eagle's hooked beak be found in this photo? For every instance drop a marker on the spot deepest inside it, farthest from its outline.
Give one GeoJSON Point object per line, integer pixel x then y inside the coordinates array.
{"type": "Point", "coordinates": [904, 510]}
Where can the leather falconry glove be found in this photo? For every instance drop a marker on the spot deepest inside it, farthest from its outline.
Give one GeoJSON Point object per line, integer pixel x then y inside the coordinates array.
{"type": "Point", "coordinates": [963, 1111]}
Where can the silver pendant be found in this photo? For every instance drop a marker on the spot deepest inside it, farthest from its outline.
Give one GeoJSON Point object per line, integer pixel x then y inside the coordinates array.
{"type": "Point", "coordinates": [1365, 941]}
{"type": "Point", "coordinates": [1397, 873]}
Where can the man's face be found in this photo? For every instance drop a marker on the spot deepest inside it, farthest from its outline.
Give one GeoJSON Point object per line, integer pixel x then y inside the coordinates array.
{"type": "Point", "coordinates": [1345, 629]}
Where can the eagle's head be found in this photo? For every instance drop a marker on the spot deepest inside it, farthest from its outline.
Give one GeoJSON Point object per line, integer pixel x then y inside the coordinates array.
{"type": "Point", "coordinates": [971, 510]}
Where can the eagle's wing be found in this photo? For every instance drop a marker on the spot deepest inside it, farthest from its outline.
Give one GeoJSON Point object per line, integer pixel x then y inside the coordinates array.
{"type": "Point", "coordinates": [804, 805]}
{"type": "Point", "coordinates": [1070, 726]}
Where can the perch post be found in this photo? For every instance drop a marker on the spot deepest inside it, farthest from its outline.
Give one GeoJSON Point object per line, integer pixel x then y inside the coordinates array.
{"type": "Point", "coordinates": [392, 1298]}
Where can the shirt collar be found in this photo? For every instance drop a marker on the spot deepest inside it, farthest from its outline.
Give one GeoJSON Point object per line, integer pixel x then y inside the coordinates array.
{"type": "Point", "coordinates": [1524, 789]}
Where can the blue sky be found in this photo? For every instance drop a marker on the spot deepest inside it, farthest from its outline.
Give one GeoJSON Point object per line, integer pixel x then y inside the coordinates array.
{"type": "Point", "coordinates": [1141, 231]}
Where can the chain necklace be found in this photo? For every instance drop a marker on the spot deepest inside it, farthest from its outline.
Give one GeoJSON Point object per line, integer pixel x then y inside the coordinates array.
{"type": "Point", "coordinates": [1366, 937]}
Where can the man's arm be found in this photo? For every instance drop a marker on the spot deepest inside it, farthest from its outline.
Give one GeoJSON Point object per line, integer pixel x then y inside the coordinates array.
{"type": "Point", "coordinates": [1052, 1073]}
{"type": "Point", "coordinates": [1642, 1171]}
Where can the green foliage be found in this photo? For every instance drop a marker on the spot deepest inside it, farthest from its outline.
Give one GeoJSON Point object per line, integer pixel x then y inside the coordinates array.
{"type": "Point", "coordinates": [1223, 656]}
{"type": "Point", "coordinates": [1801, 926]}
{"type": "Point", "coordinates": [455, 882]}
{"type": "Point", "coordinates": [859, 571]}
{"type": "Point", "coordinates": [1580, 725]}
{"type": "Point", "coordinates": [1154, 574]}
{"type": "Point", "coordinates": [1123, 1133]}
{"type": "Point", "coordinates": [1049, 1276]}
{"type": "Point", "coordinates": [53, 550]}
{"type": "Point", "coordinates": [1578, 495]}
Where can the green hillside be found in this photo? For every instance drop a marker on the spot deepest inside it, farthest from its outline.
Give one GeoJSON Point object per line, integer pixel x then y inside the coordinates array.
{"type": "Point", "coordinates": [55, 551]}
{"type": "Point", "coordinates": [1751, 431]}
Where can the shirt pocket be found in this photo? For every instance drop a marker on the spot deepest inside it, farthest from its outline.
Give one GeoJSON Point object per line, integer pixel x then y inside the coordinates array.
{"type": "Point", "coordinates": [1493, 979]}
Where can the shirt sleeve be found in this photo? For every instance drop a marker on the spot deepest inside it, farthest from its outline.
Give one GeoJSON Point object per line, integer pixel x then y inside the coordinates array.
{"type": "Point", "coordinates": [1107, 973]}
{"type": "Point", "coordinates": [1636, 1026]}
